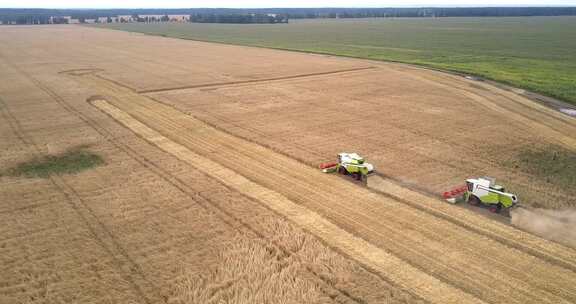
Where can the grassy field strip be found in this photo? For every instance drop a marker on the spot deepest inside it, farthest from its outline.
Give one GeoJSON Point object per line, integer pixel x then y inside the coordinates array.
{"type": "Point", "coordinates": [388, 265]}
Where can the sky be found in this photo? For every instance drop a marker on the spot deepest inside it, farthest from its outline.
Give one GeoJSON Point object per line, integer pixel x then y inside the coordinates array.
{"type": "Point", "coordinates": [270, 3]}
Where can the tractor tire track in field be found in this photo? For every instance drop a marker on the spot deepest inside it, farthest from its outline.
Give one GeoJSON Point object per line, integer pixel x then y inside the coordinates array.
{"type": "Point", "coordinates": [222, 84]}
{"type": "Point", "coordinates": [205, 202]}
{"type": "Point", "coordinates": [226, 216]}
{"type": "Point", "coordinates": [334, 236]}
{"type": "Point", "coordinates": [462, 265]}
{"type": "Point", "coordinates": [417, 256]}
{"type": "Point", "coordinates": [556, 254]}
{"type": "Point", "coordinates": [129, 269]}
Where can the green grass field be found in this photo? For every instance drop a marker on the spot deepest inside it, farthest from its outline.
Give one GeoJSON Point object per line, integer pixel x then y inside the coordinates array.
{"type": "Point", "coordinates": [535, 53]}
{"type": "Point", "coordinates": [73, 161]}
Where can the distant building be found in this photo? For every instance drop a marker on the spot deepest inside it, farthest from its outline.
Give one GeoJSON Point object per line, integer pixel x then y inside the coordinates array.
{"type": "Point", "coordinates": [106, 19]}
{"type": "Point", "coordinates": [179, 18]}
{"type": "Point", "coordinates": [125, 18]}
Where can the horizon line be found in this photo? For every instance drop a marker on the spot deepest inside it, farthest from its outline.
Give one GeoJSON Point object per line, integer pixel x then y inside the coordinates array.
{"type": "Point", "coordinates": [319, 7]}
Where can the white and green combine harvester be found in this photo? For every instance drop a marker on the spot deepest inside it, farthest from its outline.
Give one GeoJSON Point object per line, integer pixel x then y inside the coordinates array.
{"type": "Point", "coordinates": [350, 164]}
{"type": "Point", "coordinates": [485, 191]}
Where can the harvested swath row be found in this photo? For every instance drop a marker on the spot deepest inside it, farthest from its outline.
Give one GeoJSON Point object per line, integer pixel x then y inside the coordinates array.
{"type": "Point", "coordinates": [437, 131]}
{"type": "Point", "coordinates": [275, 230]}
{"type": "Point", "coordinates": [313, 252]}
{"type": "Point", "coordinates": [313, 288]}
{"type": "Point", "coordinates": [459, 278]}
{"type": "Point", "coordinates": [398, 271]}
{"type": "Point", "coordinates": [422, 160]}
{"type": "Point", "coordinates": [281, 237]}
{"type": "Point", "coordinates": [313, 285]}
{"type": "Point", "coordinates": [564, 256]}
{"type": "Point", "coordinates": [314, 157]}
{"type": "Point", "coordinates": [170, 125]}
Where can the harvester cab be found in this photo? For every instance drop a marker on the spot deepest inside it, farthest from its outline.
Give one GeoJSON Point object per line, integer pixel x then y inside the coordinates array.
{"type": "Point", "coordinates": [350, 164]}
{"type": "Point", "coordinates": [485, 191]}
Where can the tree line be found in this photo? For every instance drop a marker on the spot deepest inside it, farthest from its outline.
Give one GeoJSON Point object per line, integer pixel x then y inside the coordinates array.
{"type": "Point", "coordinates": [239, 18]}
{"type": "Point", "coordinates": [273, 15]}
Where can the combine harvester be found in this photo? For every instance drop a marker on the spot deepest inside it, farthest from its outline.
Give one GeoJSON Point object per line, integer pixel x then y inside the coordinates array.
{"type": "Point", "coordinates": [349, 164]}
{"type": "Point", "coordinates": [483, 191]}
{"type": "Point", "coordinates": [478, 192]}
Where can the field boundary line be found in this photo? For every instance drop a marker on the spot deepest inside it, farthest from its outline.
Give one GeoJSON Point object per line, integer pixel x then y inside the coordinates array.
{"type": "Point", "coordinates": [534, 96]}
{"type": "Point", "coordinates": [402, 273]}
{"type": "Point", "coordinates": [222, 84]}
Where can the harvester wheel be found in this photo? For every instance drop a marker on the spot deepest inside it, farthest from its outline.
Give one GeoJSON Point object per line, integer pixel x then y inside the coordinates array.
{"type": "Point", "coordinates": [342, 170]}
{"type": "Point", "coordinates": [473, 200]}
{"type": "Point", "coordinates": [358, 176]}
{"type": "Point", "coordinates": [496, 208]}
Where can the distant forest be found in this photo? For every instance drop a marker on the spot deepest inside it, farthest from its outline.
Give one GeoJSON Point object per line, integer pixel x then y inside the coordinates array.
{"type": "Point", "coordinates": [238, 18]}
{"type": "Point", "coordinates": [32, 16]}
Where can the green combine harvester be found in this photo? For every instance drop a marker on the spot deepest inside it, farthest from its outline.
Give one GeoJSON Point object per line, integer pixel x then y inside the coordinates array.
{"type": "Point", "coordinates": [349, 164]}
{"type": "Point", "coordinates": [483, 192]}
{"type": "Point", "coordinates": [486, 191]}
{"type": "Point", "coordinates": [478, 191]}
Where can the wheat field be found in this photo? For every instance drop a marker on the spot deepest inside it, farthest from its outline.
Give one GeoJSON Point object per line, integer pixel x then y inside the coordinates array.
{"type": "Point", "coordinates": [208, 190]}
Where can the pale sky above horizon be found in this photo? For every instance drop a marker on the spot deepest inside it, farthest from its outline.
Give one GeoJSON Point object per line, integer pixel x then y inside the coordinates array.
{"type": "Point", "coordinates": [270, 4]}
